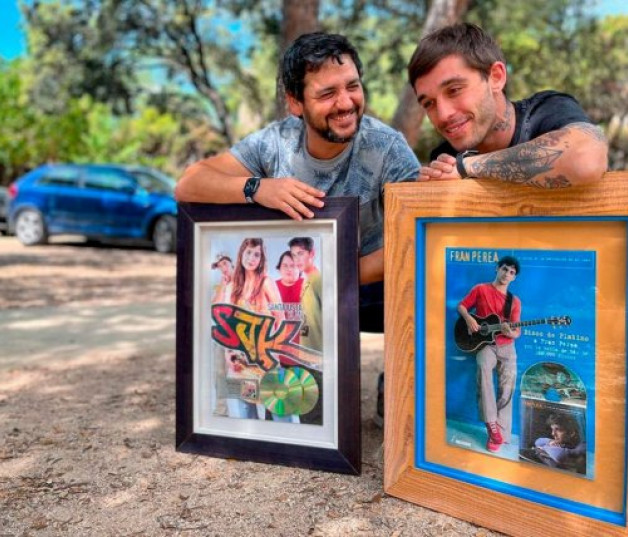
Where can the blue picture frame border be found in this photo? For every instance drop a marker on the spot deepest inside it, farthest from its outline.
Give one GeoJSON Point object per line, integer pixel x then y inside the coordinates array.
{"type": "Point", "coordinates": [577, 508]}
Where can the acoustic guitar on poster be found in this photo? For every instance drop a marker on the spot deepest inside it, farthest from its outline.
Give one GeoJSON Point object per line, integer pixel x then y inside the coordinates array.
{"type": "Point", "coordinates": [490, 327]}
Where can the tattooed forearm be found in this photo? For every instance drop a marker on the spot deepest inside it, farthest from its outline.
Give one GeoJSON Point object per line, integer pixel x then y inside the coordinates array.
{"type": "Point", "coordinates": [521, 163]}
{"type": "Point", "coordinates": [573, 155]}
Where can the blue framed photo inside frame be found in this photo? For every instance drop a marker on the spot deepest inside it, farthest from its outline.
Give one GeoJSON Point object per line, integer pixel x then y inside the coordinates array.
{"type": "Point", "coordinates": [507, 360]}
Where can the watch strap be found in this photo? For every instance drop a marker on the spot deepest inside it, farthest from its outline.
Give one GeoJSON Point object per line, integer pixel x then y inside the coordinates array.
{"type": "Point", "coordinates": [460, 162]}
{"type": "Point", "coordinates": [250, 188]}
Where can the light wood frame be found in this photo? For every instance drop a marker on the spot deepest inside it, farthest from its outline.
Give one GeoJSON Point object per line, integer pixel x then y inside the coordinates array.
{"type": "Point", "coordinates": [408, 207]}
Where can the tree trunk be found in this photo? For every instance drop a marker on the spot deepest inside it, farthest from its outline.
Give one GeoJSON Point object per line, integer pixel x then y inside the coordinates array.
{"type": "Point", "coordinates": [299, 17]}
{"type": "Point", "coordinates": [409, 115]}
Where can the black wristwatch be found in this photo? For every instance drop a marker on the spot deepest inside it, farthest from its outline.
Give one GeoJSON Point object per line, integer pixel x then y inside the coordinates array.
{"type": "Point", "coordinates": [250, 188]}
{"type": "Point", "coordinates": [460, 162]}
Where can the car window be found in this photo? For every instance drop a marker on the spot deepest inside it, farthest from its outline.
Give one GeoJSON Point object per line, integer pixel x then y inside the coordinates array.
{"type": "Point", "coordinates": [154, 181]}
{"type": "Point", "coordinates": [60, 177]}
{"type": "Point", "coordinates": [108, 180]}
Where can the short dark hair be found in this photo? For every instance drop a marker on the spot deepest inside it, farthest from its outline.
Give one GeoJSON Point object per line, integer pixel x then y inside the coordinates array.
{"type": "Point", "coordinates": [308, 53]}
{"type": "Point", "coordinates": [285, 254]}
{"type": "Point", "coordinates": [568, 424]}
{"type": "Point", "coordinates": [509, 261]}
{"type": "Point", "coordinates": [304, 242]}
{"type": "Point", "coordinates": [478, 49]}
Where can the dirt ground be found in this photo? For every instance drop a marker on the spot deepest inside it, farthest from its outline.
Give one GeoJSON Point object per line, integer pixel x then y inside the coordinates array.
{"type": "Point", "coordinates": [87, 404]}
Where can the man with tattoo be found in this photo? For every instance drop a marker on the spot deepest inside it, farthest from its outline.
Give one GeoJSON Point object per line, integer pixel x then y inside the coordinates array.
{"type": "Point", "coordinates": [459, 76]}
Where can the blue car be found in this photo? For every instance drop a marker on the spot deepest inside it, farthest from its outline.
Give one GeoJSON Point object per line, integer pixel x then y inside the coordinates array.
{"type": "Point", "coordinates": [97, 201]}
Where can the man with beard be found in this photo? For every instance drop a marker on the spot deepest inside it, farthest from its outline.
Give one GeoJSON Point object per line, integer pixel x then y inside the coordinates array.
{"type": "Point", "coordinates": [327, 147]}
{"type": "Point", "coordinates": [459, 76]}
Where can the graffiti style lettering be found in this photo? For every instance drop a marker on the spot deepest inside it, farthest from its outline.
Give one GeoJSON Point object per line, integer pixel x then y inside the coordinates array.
{"type": "Point", "coordinates": [252, 334]}
{"type": "Point", "coordinates": [222, 333]}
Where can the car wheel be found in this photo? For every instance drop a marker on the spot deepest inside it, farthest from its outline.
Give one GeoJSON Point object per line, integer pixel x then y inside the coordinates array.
{"type": "Point", "coordinates": [165, 234]}
{"type": "Point", "coordinates": [30, 228]}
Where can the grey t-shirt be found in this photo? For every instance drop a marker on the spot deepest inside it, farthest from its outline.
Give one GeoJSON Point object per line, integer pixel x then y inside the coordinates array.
{"type": "Point", "coordinates": [376, 155]}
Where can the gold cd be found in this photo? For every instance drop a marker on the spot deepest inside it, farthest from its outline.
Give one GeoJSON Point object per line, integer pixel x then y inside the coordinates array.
{"type": "Point", "coordinates": [310, 391]}
{"type": "Point", "coordinates": [289, 391]}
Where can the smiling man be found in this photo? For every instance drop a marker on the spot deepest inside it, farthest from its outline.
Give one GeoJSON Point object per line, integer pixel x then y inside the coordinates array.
{"type": "Point", "coordinates": [459, 76]}
{"type": "Point", "coordinates": [327, 147]}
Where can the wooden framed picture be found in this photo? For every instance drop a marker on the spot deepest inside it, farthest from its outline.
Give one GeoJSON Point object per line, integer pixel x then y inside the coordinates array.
{"type": "Point", "coordinates": [264, 372]}
{"type": "Point", "coordinates": [505, 354]}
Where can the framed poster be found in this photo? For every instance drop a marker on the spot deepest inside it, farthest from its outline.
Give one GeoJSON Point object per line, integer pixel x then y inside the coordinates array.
{"type": "Point", "coordinates": [520, 428]}
{"type": "Point", "coordinates": [263, 372]}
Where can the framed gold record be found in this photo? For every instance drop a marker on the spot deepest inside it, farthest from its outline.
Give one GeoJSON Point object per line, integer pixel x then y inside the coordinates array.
{"type": "Point", "coordinates": [260, 358]}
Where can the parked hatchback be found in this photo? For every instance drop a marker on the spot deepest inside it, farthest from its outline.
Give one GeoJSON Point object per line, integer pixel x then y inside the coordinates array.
{"type": "Point", "coordinates": [97, 201]}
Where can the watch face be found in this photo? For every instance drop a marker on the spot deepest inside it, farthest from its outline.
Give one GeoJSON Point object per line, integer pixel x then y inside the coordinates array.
{"type": "Point", "coordinates": [250, 188]}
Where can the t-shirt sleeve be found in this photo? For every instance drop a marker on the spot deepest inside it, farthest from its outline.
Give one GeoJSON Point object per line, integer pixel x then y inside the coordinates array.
{"type": "Point", "coordinates": [554, 112]}
{"type": "Point", "coordinates": [400, 164]}
{"type": "Point", "coordinates": [251, 149]}
{"type": "Point", "coordinates": [469, 301]}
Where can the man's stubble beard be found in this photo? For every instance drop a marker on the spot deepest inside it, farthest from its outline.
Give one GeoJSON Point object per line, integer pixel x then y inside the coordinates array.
{"type": "Point", "coordinates": [328, 133]}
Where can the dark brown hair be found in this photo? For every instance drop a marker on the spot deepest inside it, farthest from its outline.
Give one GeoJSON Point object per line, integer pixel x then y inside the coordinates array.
{"type": "Point", "coordinates": [308, 53]}
{"type": "Point", "coordinates": [478, 49]}
{"type": "Point", "coordinates": [569, 425]}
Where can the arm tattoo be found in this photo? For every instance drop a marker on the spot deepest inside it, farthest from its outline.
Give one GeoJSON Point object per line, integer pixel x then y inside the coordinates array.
{"type": "Point", "coordinates": [529, 162]}
{"type": "Point", "coordinates": [519, 164]}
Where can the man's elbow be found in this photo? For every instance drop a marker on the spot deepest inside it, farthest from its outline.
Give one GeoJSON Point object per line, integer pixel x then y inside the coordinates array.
{"type": "Point", "coordinates": [589, 167]}
{"type": "Point", "coordinates": [179, 191]}
{"type": "Point", "coordinates": [184, 189]}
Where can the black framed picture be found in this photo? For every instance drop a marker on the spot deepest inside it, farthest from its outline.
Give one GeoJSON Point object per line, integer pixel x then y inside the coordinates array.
{"type": "Point", "coordinates": [268, 359]}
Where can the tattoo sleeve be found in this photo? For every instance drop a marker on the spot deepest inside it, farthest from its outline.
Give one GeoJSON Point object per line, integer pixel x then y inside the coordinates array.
{"type": "Point", "coordinates": [533, 162]}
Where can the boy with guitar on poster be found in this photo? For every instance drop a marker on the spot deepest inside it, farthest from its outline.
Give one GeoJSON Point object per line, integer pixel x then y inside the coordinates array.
{"type": "Point", "coordinates": [487, 299]}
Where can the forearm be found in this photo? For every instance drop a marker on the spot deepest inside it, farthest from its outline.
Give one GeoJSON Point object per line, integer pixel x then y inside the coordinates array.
{"type": "Point", "coordinates": [372, 267]}
{"type": "Point", "coordinates": [573, 155]}
{"type": "Point", "coordinates": [464, 312]}
{"type": "Point", "coordinates": [221, 179]}
{"type": "Point", "coordinates": [203, 182]}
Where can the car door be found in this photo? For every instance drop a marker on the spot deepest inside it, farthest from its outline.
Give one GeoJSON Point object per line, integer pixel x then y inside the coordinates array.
{"type": "Point", "coordinates": [59, 192]}
{"type": "Point", "coordinates": [123, 205]}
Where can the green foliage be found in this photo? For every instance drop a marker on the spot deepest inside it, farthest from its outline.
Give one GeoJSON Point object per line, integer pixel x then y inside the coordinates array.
{"type": "Point", "coordinates": [385, 34]}
{"type": "Point", "coordinates": [164, 83]}
{"type": "Point", "coordinates": [88, 131]}
{"type": "Point", "coordinates": [77, 48]}
{"type": "Point", "coordinates": [558, 44]}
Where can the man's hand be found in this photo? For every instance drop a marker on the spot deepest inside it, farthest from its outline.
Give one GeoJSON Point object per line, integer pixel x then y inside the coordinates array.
{"type": "Point", "coordinates": [441, 169]}
{"type": "Point", "coordinates": [289, 195]}
{"type": "Point", "coordinates": [507, 331]}
{"type": "Point", "coordinates": [472, 325]}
